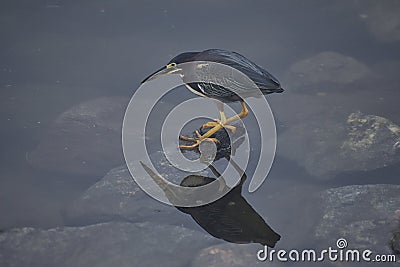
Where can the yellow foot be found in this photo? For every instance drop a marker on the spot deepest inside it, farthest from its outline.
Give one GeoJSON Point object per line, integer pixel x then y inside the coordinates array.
{"type": "Point", "coordinates": [214, 123]}
{"type": "Point", "coordinates": [197, 141]}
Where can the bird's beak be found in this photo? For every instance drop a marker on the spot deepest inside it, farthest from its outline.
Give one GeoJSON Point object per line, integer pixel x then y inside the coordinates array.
{"type": "Point", "coordinates": [162, 71]}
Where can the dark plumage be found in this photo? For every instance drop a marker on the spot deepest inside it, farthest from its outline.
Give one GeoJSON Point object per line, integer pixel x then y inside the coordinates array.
{"type": "Point", "coordinates": [265, 81]}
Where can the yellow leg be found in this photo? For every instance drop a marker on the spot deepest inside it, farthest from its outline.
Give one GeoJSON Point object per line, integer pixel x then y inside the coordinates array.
{"type": "Point", "coordinates": [222, 116]}
{"type": "Point", "coordinates": [216, 127]}
{"type": "Point", "coordinates": [222, 121]}
{"type": "Point", "coordinates": [241, 115]}
{"type": "Point", "coordinates": [211, 124]}
{"type": "Point", "coordinates": [225, 121]}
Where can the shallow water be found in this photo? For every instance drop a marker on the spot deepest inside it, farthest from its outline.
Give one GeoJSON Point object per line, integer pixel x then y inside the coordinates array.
{"type": "Point", "coordinates": [59, 54]}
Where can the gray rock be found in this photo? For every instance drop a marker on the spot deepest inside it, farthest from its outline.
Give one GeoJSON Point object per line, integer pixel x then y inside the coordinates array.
{"type": "Point", "coordinates": [295, 216]}
{"type": "Point", "coordinates": [229, 255]}
{"type": "Point", "coordinates": [372, 142]}
{"type": "Point", "coordinates": [86, 139]}
{"type": "Point", "coordinates": [326, 67]}
{"type": "Point", "coordinates": [239, 255]}
{"type": "Point", "coordinates": [395, 241]}
{"type": "Point", "coordinates": [382, 19]}
{"type": "Point", "coordinates": [108, 244]}
{"type": "Point", "coordinates": [362, 214]}
{"type": "Point", "coordinates": [118, 197]}
{"type": "Point", "coordinates": [326, 148]}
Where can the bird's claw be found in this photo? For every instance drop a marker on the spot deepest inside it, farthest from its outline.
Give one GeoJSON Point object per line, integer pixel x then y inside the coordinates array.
{"type": "Point", "coordinates": [214, 123]}
{"type": "Point", "coordinates": [211, 124]}
{"type": "Point", "coordinates": [197, 141]}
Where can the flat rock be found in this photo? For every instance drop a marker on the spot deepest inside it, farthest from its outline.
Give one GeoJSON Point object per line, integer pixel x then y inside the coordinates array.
{"type": "Point", "coordinates": [292, 211]}
{"type": "Point", "coordinates": [222, 255]}
{"type": "Point", "coordinates": [86, 139]}
{"type": "Point", "coordinates": [108, 244]}
{"type": "Point", "coordinates": [118, 197]}
{"type": "Point", "coordinates": [229, 255]}
{"type": "Point", "coordinates": [327, 68]}
{"type": "Point", "coordinates": [395, 241]}
{"type": "Point", "coordinates": [326, 148]}
{"type": "Point", "coordinates": [365, 215]}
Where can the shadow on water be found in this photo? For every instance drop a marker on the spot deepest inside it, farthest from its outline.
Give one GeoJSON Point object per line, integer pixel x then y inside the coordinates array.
{"type": "Point", "coordinates": [230, 217]}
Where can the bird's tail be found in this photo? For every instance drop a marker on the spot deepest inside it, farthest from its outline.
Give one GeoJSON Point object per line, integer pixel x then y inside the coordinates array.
{"type": "Point", "coordinates": [272, 90]}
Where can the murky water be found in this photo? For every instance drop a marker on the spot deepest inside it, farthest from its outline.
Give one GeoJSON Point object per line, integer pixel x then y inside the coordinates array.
{"type": "Point", "coordinates": [334, 58]}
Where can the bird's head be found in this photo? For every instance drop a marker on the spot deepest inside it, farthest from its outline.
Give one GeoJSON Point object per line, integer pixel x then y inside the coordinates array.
{"type": "Point", "coordinates": [172, 66]}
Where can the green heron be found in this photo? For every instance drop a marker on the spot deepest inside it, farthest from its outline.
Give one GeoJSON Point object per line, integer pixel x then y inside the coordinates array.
{"type": "Point", "coordinates": [265, 82]}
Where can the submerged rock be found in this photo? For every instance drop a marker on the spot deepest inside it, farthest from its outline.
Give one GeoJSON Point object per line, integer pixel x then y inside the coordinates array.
{"type": "Point", "coordinates": [382, 19]}
{"type": "Point", "coordinates": [362, 214]}
{"type": "Point", "coordinates": [86, 139]}
{"type": "Point", "coordinates": [108, 244]}
{"type": "Point", "coordinates": [326, 67]}
{"type": "Point", "coordinates": [326, 148]}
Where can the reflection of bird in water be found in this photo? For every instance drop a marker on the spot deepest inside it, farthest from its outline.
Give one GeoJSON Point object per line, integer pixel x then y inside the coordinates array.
{"type": "Point", "coordinates": [231, 217]}
{"type": "Point", "coordinates": [265, 82]}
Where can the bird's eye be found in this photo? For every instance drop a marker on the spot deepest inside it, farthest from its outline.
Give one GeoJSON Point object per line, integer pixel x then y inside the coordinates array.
{"type": "Point", "coordinates": [171, 65]}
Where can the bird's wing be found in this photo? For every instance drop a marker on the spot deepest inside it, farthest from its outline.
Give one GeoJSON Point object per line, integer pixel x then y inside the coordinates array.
{"type": "Point", "coordinates": [261, 77]}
